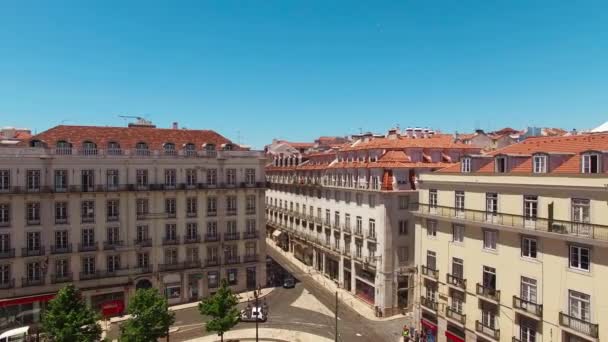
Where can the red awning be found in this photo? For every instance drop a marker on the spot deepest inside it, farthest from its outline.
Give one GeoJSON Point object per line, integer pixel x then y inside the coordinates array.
{"type": "Point", "coordinates": [452, 337]}
{"type": "Point", "coordinates": [428, 325]}
{"type": "Point", "coordinates": [26, 300]}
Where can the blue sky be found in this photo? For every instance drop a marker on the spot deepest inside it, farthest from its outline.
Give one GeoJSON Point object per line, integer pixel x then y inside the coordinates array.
{"type": "Point", "coordinates": [300, 69]}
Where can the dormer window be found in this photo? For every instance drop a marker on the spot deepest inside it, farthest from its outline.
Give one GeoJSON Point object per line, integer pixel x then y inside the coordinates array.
{"type": "Point", "coordinates": [169, 148]}
{"type": "Point", "coordinates": [190, 149]}
{"type": "Point", "coordinates": [465, 165]}
{"type": "Point", "coordinates": [539, 163]}
{"type": "Point", "coordinates": [501, 164]}
{"type": "Point", "coordinates": [141, 149]}
{"type": "Point", "coordinates": [63, 147]}
{"type": "Point", "coordinates": [114, 148]}
{"type": "Point", "coordinates": [228, 147]}
{"type": "Point", "coordinates": [591, 163]}
{"type": "Point", "coordinates": [35, 143]}
{"type": "Point", "coordinates": [89, 148]}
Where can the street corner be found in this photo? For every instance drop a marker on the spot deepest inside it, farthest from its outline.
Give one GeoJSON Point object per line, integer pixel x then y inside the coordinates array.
{"type": "Point", "coordinates": [265, 335]}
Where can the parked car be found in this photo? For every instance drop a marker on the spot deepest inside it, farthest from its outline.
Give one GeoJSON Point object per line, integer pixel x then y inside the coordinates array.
{"type": "Point", "coordinates": [15, 335]}
{"type": "Point", "coordinates": [251, 313]}
{"type": "Point", "coordinates": [289, 282]}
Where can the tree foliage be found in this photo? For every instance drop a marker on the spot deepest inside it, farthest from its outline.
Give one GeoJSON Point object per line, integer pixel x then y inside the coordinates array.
{"type": "Point", "coordinates": [150, 317]}
{"type": "Point", "coordinates": [68, 319]}
{"type": "Point", "coordinates": [222, 309]}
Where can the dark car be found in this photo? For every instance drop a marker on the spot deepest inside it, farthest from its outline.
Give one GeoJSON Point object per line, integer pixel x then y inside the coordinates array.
{"type": "Point", "coordinates": [289, 282]}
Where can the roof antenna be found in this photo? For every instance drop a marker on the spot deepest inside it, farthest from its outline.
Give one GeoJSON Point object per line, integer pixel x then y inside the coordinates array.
{"type": "Point", "coordinates": [238, 137]}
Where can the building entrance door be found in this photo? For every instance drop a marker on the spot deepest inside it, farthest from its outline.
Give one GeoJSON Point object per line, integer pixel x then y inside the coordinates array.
{"type": "Point", "coordinates": [251, 274]}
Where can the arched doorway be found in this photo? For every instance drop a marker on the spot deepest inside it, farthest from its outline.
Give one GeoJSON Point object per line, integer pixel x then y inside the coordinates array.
{"type": "Point", "coordinates": [143, 284]}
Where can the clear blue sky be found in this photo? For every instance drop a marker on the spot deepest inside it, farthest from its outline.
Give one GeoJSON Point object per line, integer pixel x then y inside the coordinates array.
{"type": "Point", "coordinates": [300, 69]}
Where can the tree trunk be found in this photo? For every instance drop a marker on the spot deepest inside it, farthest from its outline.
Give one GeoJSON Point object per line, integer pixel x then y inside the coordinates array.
{"type": "Point", "coordinates": [222, 337]}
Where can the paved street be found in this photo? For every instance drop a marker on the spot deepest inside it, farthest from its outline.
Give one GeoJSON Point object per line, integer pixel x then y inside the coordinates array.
{"type": "Point", "coordinates": [308, 307]}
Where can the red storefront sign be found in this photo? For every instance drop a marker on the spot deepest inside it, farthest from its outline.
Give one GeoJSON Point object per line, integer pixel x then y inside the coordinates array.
{"type": "Point", "coordinates": [428, 325]}
{"type": "Point", "coordinates": [452, 337]}
{"type": "Point", "coordinates": [112, 308]}
{"type": "Point", "coordinates": [26, 300]}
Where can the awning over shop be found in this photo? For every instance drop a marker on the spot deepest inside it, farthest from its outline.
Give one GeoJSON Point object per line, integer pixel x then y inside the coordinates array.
{"type": "Point", "coordinates": [277, 233]}
{"type": "Point", "coordinates": [26, 300]}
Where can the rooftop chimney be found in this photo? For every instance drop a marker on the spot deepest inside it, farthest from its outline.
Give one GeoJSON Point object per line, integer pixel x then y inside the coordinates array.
{"type": "Point", "coordinates": [175, 126]}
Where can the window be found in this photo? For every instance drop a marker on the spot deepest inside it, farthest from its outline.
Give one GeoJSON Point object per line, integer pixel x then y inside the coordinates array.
{"type": "Point", "coordinates": [431, 228]}
{"type": "Point", "coordinates": [88, 237]}
{"type": "Point", "coordinates": [529, 290]}
{"type": "Point", "coordinates": [581, 217]}
{"type": "Point", "coordinates": [458, 233]}
{"type": "Point", "coordinates": [372, 229]}
{"type": "Point", "coordinates": [61, 239]}
{"type": "Point", "coordinates": [61, 180]}
{"type": "Point", "coordinates": [488, 315]}
{"type": "Point", "coordinates": [192, 254]}
{"type": "Point", "coordinates": [113, 235]}
{"type": "Point", "coordinates": [489, 277]}
{"type": "Point", "coordinates": [347, 221]}
{"type": "Point", "coordinates": [347, 197]}
{"type": "Point", "coordinates": [88, 265]}
{"type": "Point", "coordinates": [231, 227]}
{"type": "Point", "coordinates": [358, 248]}
{"type": "Point", "coordinates": [192, 231]}
{"type": "Point", "coordinates": [490, 238]}
{"type": "Point", "coordinates": [539, 163]}
{"type": "Point", "coordinates": [359, 199]}
{"type": "Point", "coordinates": [458, 268]}
{"type": "Point", "coordinates": [170, 207]}
{"type": "Point", "coordinates": [591, 163]}
{"type": "Point", "coordinates": [580, 258]}
{"type": "Point", "coordinates": [34, 271]}
{"type": "Point", "coordinates": [402, 253]}
{"type": "Point", "coordinates": [33, 180]}
{"type": "Point", "coordinates": [141, 177]}
{"type": "Point", "coordinates": [501, 164]}
{"type": "Point", "coordinates": [112, 179]}
{"type": "Point", "coordinates": [212, 228]}
{"type": "Point", "coordinates": [112, 210]}
{"type": "Point", "coordinates": [142, 233]}
{"type": "Point", "coordinates": [579, 305]}
{"type": "Point", "coordinates": [231, 205]}
{"type": "Point", "coordinates": [491, 206]}
{"type": "Point", "coordinates": [143, 260]}
{"type": "Point", "coordinates": [250, 204]}
{"type": "Point", "coordinates": [527, 329]}
{"type": "Point", "coordinates": [465, 165]}
{"type": "Point", "coordinates": [457, 301]}
{"type": "Point", "coordinates": [114, 148]}
{"type": "Point", "coordinates": [191, 206]}
{"type": "Point", "coordinates": [327, 217]}
{"type": "Point", "coordinates": [529, 247]}
{"type": "Point", "coordinates": [61, 212]}
{"type": "Point", "coordinates": [403, 227]}
{"type": "Point", "coordinates": [171, 256]}
{"type": "Point", "coordinates": [142, 207]}
{"type": "Point", "coordinates": [170, 178]}
{"type": "Point", "coordinates": [87, 180]}
{"type": "Point", "coordinates": [404, 202]}
{"type": "Point", "coordinates": [250, 226]}
{"type": "Point", "coordinates": [231, 176]}
{"type": "Point", "coordinates": [87, 211]}
{"type": "Point", "coordinates": [212, 279]}
{"type": "Point", "coordinates": [530, 209]}
{"type": "Point", "coordinates": [431, 260]}
{"type": "Point", "coordinates": [432, 198]}
{"type": "Point", "coordinates": [359, 227]}
{"type": "Point", "coordinates": [372, 201]}
{"type": "Point", "coordinates": [170, 232]}
{"type": "Point", "coordinates": [5, 180]}
{"type": "Point", "coordinates": [5, 243]}
{"type": "Point", "coordinates": [231, 274]}
{"type": "Point", "coordinates": [337, 218]}
{"type": "Point", "coordinates": [211, 176]}
{"type": "Point", "coordinates": [459, 201]}
{"type": "Point", "coordinates": [190, 150]}
{"type": "Point", "coordinates": [113, 263]}
{"type": "Point", "coordinates": [33, 213]}
{"type": "Point", "coordinates": [62, 268]}
{"type": "Point", "coordinates": [250, 176]}
{"type": "Point", "coordinates": [5, 211]}
{"type": "Point", "coordinates": [191, 177]}
{"type": "Point", "coordinates": [211, 206]}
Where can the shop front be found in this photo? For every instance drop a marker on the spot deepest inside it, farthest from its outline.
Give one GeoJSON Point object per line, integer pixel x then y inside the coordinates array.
{"type": "Point", "coordinates": [454, 333]}
{"type": "Point", "coordinates": [332, 267]}
{"type": "Point", "coordinates": [16, 312]}
{"type": "Point", "coordinates": [365, 291]}
{"type": "Point", "coordinates": [428, 328]}
{"type": "Point", "coordinates": [173, 288]}
{"type": "Point", "coordinates": [109, 304]}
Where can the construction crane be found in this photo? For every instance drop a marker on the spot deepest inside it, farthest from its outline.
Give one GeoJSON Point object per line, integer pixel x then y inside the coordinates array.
{"type": "Point", "coordinates": [140, 120]}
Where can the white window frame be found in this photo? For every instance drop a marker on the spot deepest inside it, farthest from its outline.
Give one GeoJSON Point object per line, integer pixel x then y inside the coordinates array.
{"type": "Point", "coordinates": [490, 239]}
{"type": "Point", "coordinates": [576, 261]}
{"type": "Point", "coordinates": [465, 165]}
{"type": "Point", "coordinates": [539, 163]}
{"type": "Point", "coordinates": [586, 162]}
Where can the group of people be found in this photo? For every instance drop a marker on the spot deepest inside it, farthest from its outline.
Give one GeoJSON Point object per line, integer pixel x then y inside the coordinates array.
{"type": "Point", "coordinates": [411, 334]}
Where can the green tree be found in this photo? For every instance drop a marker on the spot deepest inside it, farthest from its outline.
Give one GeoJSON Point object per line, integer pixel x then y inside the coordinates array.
{"type": "Point", "coordinates": [222, 309]}
{"type": "Point", "coordinates": [150, 317]}
{"type": "Point", "coordinates": [68, 319]}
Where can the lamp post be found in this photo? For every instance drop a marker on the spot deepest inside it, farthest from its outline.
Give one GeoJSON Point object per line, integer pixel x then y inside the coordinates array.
{"type": "Point", "coordinates": [257, 314]}
{"type": "Point", "coordinates": [167, 300]}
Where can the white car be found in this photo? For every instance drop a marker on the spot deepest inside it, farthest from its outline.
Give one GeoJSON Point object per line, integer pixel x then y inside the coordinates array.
{"type": "Point", "coordinates": [250, 315]}
{"type": "Point", "coordinates": [15, 335]}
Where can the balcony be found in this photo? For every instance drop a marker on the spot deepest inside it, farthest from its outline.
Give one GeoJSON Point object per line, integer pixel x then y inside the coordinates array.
{"type": "Point", "coordinates": [566, 228]}
{"type": "Point", "coordinates": [429, 272]}
{"type": "Point", "coordinates": [230, 212]}
{"type": "Point", "coordinates": [92, 247]}
{"type": "Point", "coordinates": [579, 325]}
{"type": "Point", "coordinates": [142, 216]}
{"type": "Point", "coordinates": [142, 269]}
{"type": "Point", "coordinates": [61, 249]}
{"type": "Point", "coordinates": [33, 221]}
{"type": "Point", "coordinates": [7, 284]}
{"type": "Point", "coordinates": [179, 266]}
{"type": "Point", "coordinates": [5, 223]}
{"type": "Point", "coordinates": [27, 252]}
{"type": "Point", "coordinates": [61, 220]}
{"type": "Point", "coordinates": [212, 237]}
{"type": "Point", "coordinates": [26, 282]}
{"type": "Point", "coordinates": [232, 236]}
{"type": "Point", "coordinates": [528, 307]}
{"type": "Point", "coordinates": [211, 213]}
{"type": "Point", "coordinates": [371, 235]}
{"type": "Point", "coordinates": [250, 258]}
{"type": "Point", "coordinates": [250, 211]}
{"type": "Point", "coordinates": [112, 218]}
{"type": "Point", "coordinates": [61, 278]}
{"type": "Point", "coordinates": [143, 242]}
{"type": "Point", "coordinates": [212, 262]}
{"type": "Point", "coordinates": [171, 214]}
{"type": "Point", "coordinates": [455, 315]}
{"type": "Point", "coordinates": [112, 245]}
{"type": "Point", "coordinates": [359, 233]}
{"type": "Point", "coordinates": [91, 275]}
{"type": "Point", "coordinates": [191, 214]}
{"type": "Point", "coordinates": [88, 219]}
{"type": "Point", "coordinates": [428, 303]}
{"type": "Point", "coordinates": [192, 239]}
{"type": "Point", "coordinates": [456, 281]}
{"type": "Point", "coordinates": [486, 330]}
{"type": "Point", "coordinates": [488, 293]}
{"type": "Point", "coordinates": [250, 235]}
{"type": "Point", "coordinates": [7, 253]}
{"type": "Point", "coordinates": [170, 241]}
{"type": "Point", "coordinates": [231, 260]}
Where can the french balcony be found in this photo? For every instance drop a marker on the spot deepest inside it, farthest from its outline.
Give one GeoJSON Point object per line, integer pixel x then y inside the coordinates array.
{"type": "Point", "coordinates": [143, 242]}
{"type": "Point", "coordinates": [230, 212]}
{"type": "Point", "coordinates": [92, 275]}
{"type": "Point", "coordinates": [5, 223]}
{"type": "Point", "coordinates": [112, 245]}
{"type": "Point", "coordinates": [169, 241]}
{"type": "Point", "coordinates": [7, 284]}
{"type": "Point", "coordinates": [61, 220]}
{"type": "Point", "coordinates": [211, 213]}
{"type": "Point", "coordinates": [26, 282]}
{"type": "Point", "coordinates": [528, 306]}
{"type": "Point", "coordinates": [371, 236]}
{"type": "Point", "coordinates": [212, 237]}
{"type": "Point", "coordinates": [173, 266]}
{"type": "Point", "coordinates": [142, 216]}
{"type": "Point", "coordinates": [27, 252]}
{"type": "Point", "coordinates": [112, 218]}
{"type": "Point", "coordinates": [250, 211]}
{"type": "Point", "coordinates": [488, 293]}
{"type": "Point", "coordinates": [92, 247]}
{"type": "Point", "coordinates": [192, 239]}
{"type": "Point", "coordinates": [579, 325]}
{"type": "Point", "coordinates": [428, 303]}
{"type": "Point", "coordinates": [33, 221]}
{"type": "Point", "coordinates": [171, 215]}
{"type": "Point", "coordinates": [191, 214]}
{"type": "Point", "coordinates": [456, 281]}
{"type": "Point", "coordinates": [250, 235]}
{"type": "Point", "coordinates": [61, 249]}
{"type": "Point", "coordinates": [429, 272]}
{"type": "Point", "coordinates": [456, 316]}
{"type": "Point", "coordinates": [88, 219]}
{"type": "Point", "coordinates": [250, 258]}
{"type": "Point", "coordinates": [212, 262]}
{"type": "Point", "coordinates": [61, 278]}
{"type": "Point", "coordinates": [232, 236]}
{"type": "Point", "coordinates": [487, 330]}
{"type": "Point", "coordinates": [359, 233]}
{"type": "Point", "coordinates": [7, 253]}
{"type": "Point", "coordinates": [142, 269]}
{"type": "Point", "coordinates": [567, 228]}
{"type": "Point", "coordinates": [232, 260]}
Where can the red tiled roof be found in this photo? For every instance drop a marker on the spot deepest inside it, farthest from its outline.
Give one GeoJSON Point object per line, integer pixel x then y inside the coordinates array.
{"type": "Point", "coordinates": [436, 141]}
{"type": "Point", "coordinates": [128, 137]}
{"type": "Point", "coordinates": [395, 156]}
{"type": "Point", "coordinates": [297, 144]}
